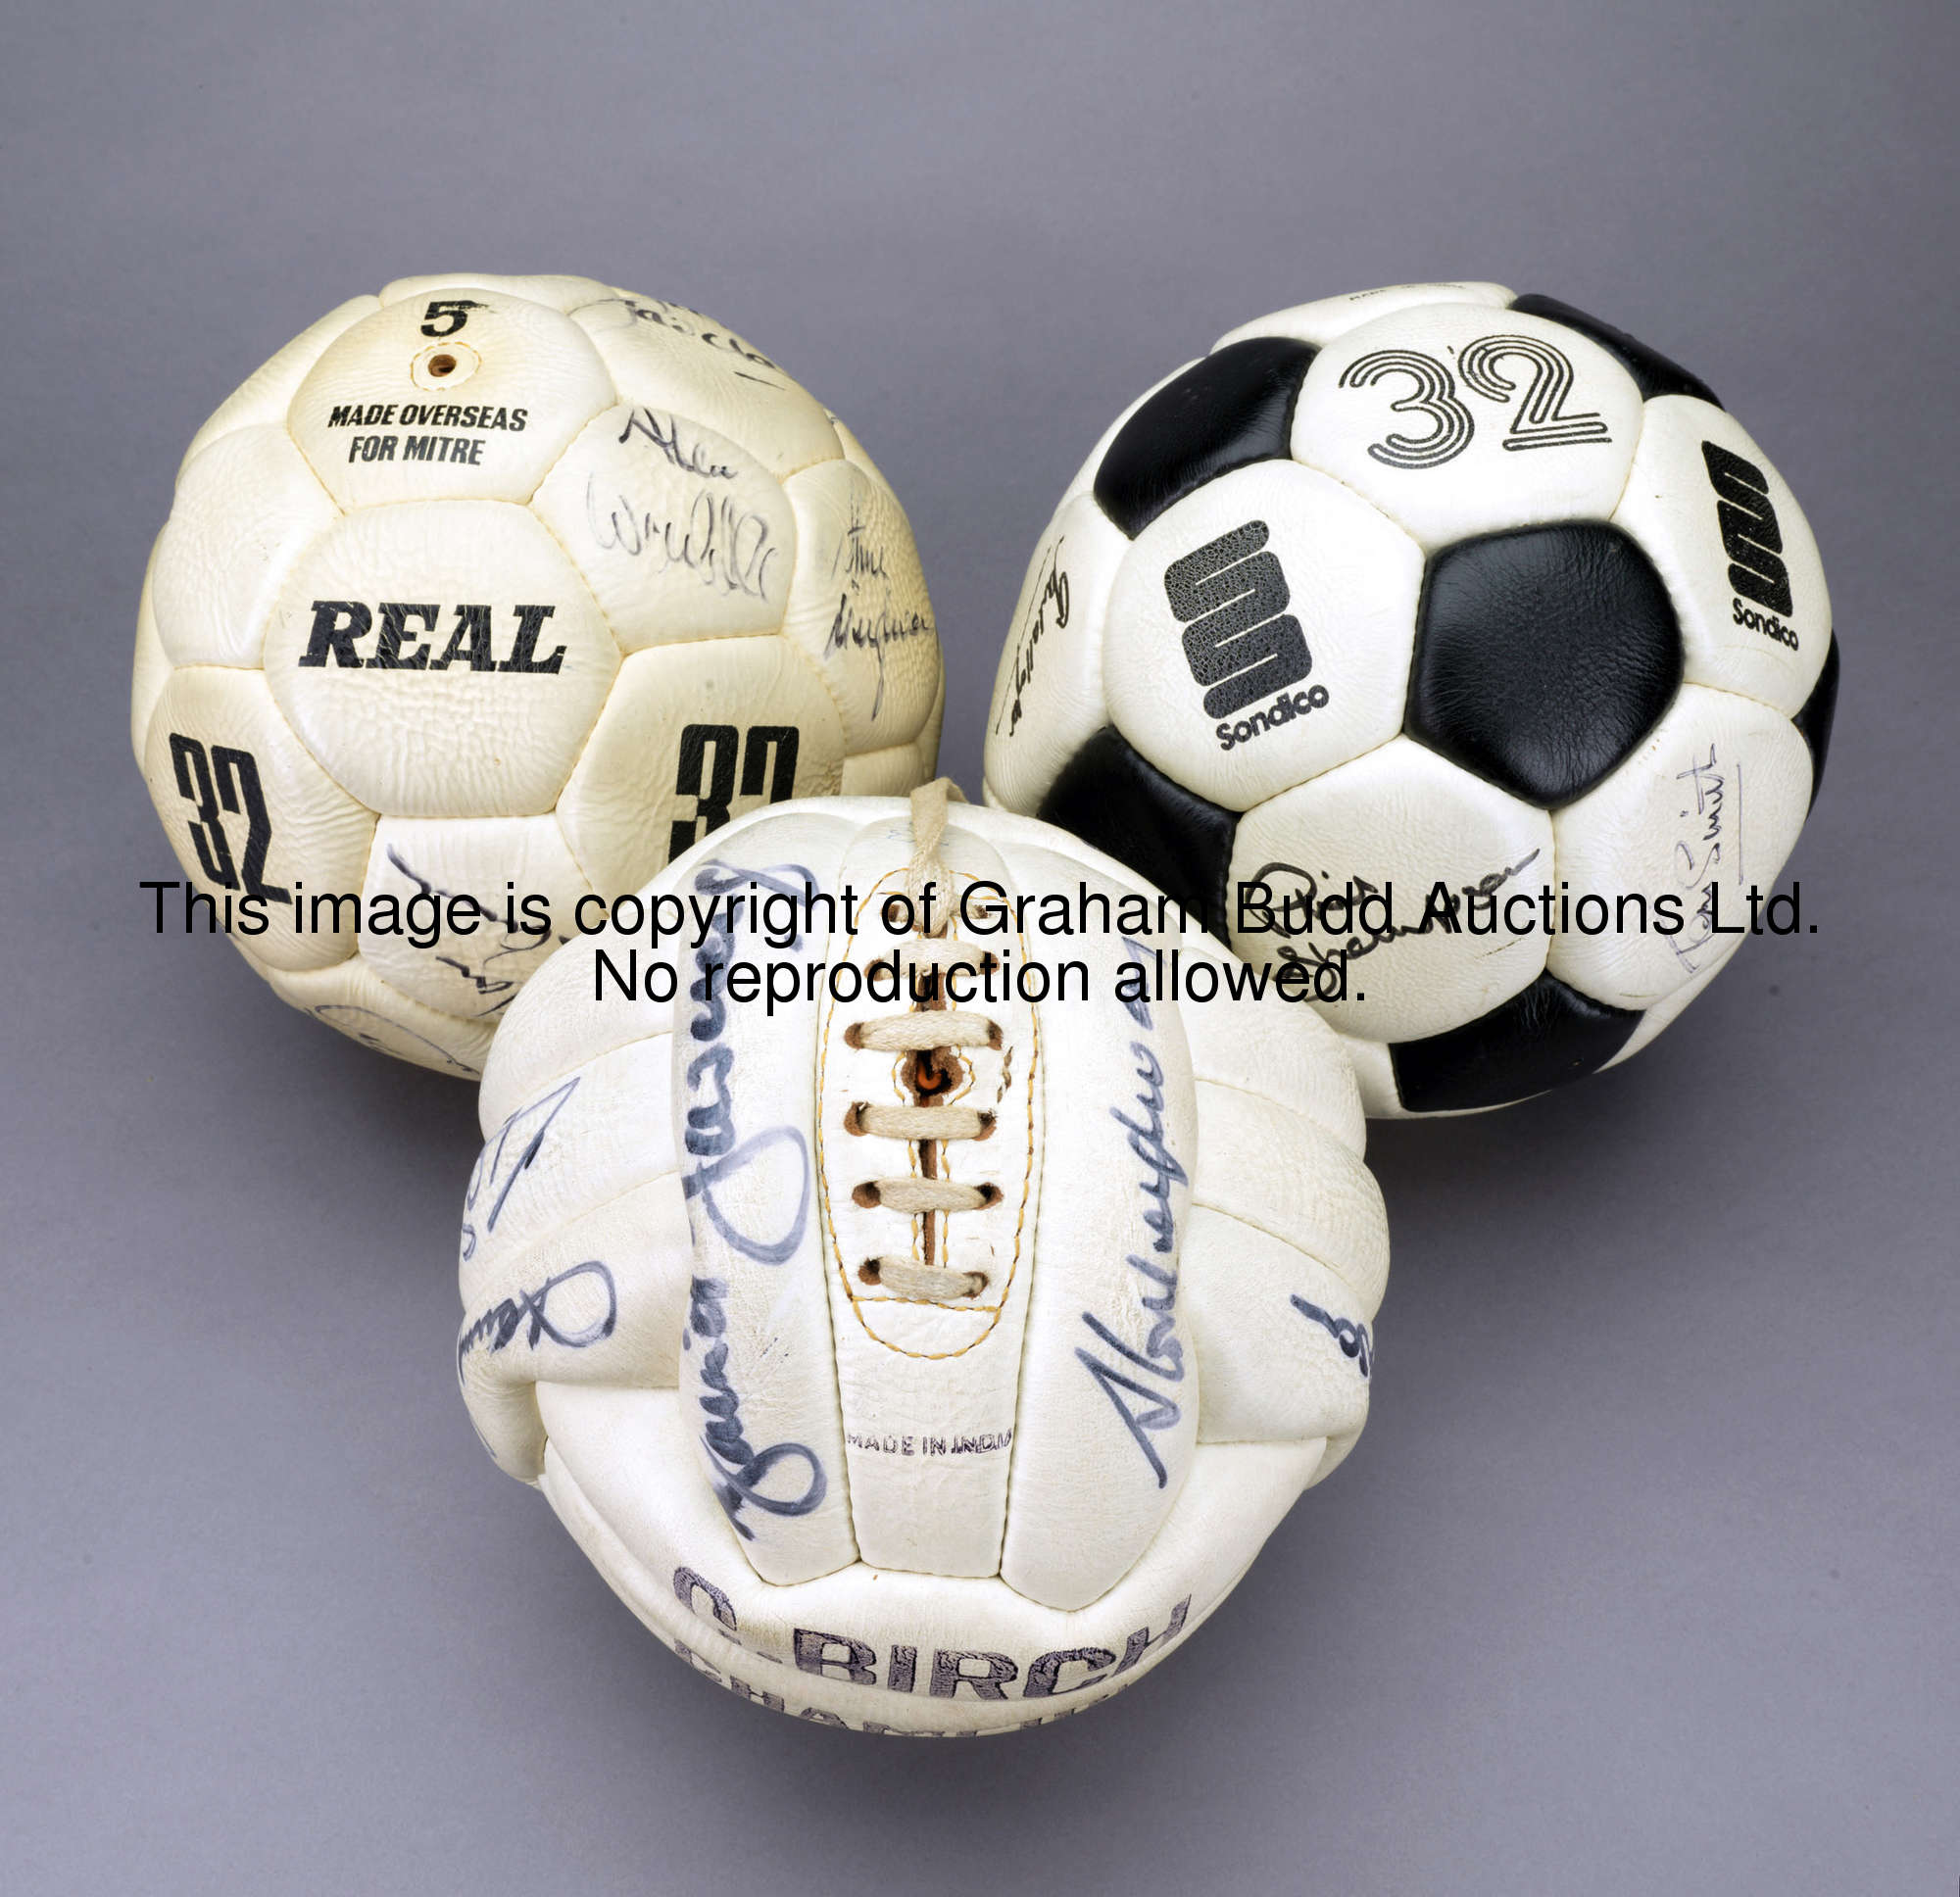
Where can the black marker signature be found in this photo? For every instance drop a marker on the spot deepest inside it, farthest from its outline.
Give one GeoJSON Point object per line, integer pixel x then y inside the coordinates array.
{"type": "Point", "coordinates": [501, 1322]}
{"type": "Point", "coordinates": [525, 1125]}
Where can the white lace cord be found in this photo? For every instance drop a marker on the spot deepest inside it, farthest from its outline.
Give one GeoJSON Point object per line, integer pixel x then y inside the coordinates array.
{"type": "Point", "coordinates": [924, 1031]}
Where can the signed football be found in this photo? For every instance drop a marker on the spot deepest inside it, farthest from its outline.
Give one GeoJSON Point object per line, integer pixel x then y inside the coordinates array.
{"type": "Point", "coordinates": [1451, 648]}
{"type": "Point", "coordinates": [913, 1277]}
{"type": "Point", "coordinates": [489, 594]}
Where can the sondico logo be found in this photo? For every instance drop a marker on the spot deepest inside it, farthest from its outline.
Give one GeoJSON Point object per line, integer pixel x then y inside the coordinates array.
{"type": "Point", "coordinates": [1240, 641]}
{"type": "Point", "coordinates": [337, 624]}
{"type": "Point", "coordinates": [1753, 542]}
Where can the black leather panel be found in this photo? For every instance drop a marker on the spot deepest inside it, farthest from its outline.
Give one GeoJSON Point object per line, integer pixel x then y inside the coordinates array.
{"type": "Point", "coordinates": [1543, 657]}
{"type": "Point", "coordinates": [1814, 719]}
{"type": "Point", "coordinates": [1229, 410]}
{"type": "Point", "coordinates": [1111, 795]}
{"type": "Point", "coordinates": [1548, 1035]}
{"type": "Point", "coordinates": [1650, 369]}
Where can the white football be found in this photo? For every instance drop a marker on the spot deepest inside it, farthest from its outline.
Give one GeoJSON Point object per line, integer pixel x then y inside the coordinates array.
{"type": "Point", "coordinates": [932, 1347]}
{"type": "Point", "coordinates": [502, 587]}
{"type": "Point", "coordinates": [1425, 609]}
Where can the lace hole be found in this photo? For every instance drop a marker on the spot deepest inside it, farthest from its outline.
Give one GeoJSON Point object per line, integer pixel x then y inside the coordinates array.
{"type": "Point", "coordinates": [866, 1194]}
{"type": "Point", "coordinates": [867, 1272]}
{"type": "Point", "coordinates": [853, 1123]}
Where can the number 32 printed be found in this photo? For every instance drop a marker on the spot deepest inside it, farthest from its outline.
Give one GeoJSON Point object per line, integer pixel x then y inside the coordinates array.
{"type": "Point", "coordinates": [1541, 421]}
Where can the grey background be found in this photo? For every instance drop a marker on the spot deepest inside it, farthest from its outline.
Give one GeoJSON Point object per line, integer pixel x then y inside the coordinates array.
{"type": "Point", "coordinates": [1643, 1577]}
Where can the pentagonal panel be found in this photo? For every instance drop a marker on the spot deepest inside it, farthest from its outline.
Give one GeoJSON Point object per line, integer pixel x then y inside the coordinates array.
{"type": "Point", "coordinates": [1820, 710]}
{"type": "Point", "coordinates": [353, 1000]}
{"type": "Point", "coordinates": [1085, 475]}
{"type": "Point", "coordinates": [1725, 533]}
{"type": "Point", "coordinates": [441, 659]}
{"type": "Point", "coordinates": [1048, 693]}
{"type": "Point", "coordinates": [667, 357]}
{"type": "Point", "coordinates": [1410, 839]}
{"type": "Point", "coordinates": [1114, 799]}
{"type": "Point", "coordinates": [1321, 322]}
{"type": "Point", "coordinates": [1233, 408]}
{"type": "Point", "coordinates": [680, 532]}
{"type": "Point", "coordinates": [1543, 657]}
{"type": "Point", "coordinates": [1537, 1039]}
{"type": "Point", "coordinates": [152, 668]}
{"type": "Point", "coordinates": [1708, 808]}
{"type": "Point", "coordinates": [421, 940]}
{"type": "Point", "coordinates": [1259, 633]}
{"type": "Point", "coordinates": [251, 815]}
{"type": "Point", "coordinates": [474, 394]}
{"type": "Point", "coordinates": [265, 396]}
{"type": "Point", "coordinates": [858, 605]}
{"type": "Point", "coordinates": [1458, 420]}
{"type": "Point", "coordinates": [690, 736]}
{"type": "Point", "coordinates": [1653, 374]}
{"type": "Point", "coordinates": [245, 510]}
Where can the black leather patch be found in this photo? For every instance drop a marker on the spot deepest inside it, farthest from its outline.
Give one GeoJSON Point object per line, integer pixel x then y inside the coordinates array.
{"type": "Point", "coordinates": [1111, 795]}
{"type": "Point", "coordinates": [1814, 719]}
{"type": "Point", "coordinates": [1229, 410]}
{"type": "Point", "coordinates": [1543, 657]}
{"type": "Point", "coordinates": [1538, 1040]}
{"type": "Point", "coordinates": [1649, 367]}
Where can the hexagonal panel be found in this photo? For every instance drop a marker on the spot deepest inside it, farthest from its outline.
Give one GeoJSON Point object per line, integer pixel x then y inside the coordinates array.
{"type": "Point", "coordinates": [1320, 321]}
{"type": "Point", "coordinates": [1458, 420]}
{"type": "Point", "coordinates": [354, 1000]}
{"type": "Point", "coordinates": [1393, 826]}
{"type": "Point", "coordinates": [441, 658]}
{"type": "Point", "coordinates": [858, 608]}
{"type": "Point", "coordinates": [1259, 633]}
{"type": "Point", "coordinates": [667, 357]}
{"type": "Point", "coordinates": [245, 510]}
{"type": "Point", "coordinates": [249, 813]}
{"type": "Point", "coordinates": [680, 532]}
{"type": "Point", "coordinates": [691, 736]}
{"type": "Point", "coordinates": [1543, 657]}
{"type": "Point", "coordinates": [1048, 691]}
{"type": "Point", "coordinates": [1233, 408]}
{"type": "Point", "coordinates": [1726, 534]}
{"type": "Point", "coordinates": [1715, 796]}
{"type": "Point", "coordinates": [474, 394]}
{"type": "Point", "coordinates": [473, 971]}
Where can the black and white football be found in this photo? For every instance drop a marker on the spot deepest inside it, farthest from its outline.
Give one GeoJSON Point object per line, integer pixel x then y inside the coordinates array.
{"type": "Point", "coordinates": [1451, 645]}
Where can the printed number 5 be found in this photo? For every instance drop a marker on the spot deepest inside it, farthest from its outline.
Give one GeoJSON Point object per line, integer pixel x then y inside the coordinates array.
{"type": "Point", "coordinates": [454, 314]}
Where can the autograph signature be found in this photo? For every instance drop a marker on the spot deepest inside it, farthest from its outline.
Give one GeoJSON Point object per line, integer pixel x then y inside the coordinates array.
{"type": "Point", "coordinates": [505, 1318]}
{"type": "Point", "coordinates": [746, 1467]}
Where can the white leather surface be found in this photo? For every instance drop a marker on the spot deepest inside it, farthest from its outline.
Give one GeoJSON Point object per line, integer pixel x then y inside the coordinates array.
{"type": "Point", "coordinates": [1048, 693]}
{"type": "Point", "coordinates": [1715, 795]}
{"type": "Point", "coordinates": [1671, 508]}
{"type": "Point", "coordinates": [1350, 577]}
{"type": "Point", "coordinates": [354, 1000]}
{"type": "Point", "coordinates": [496, 861]}
{"type": "Point", "coordinates": [990, 1466]}
{"type": "Point", "coordinates": [1399, 819]}
{"type": "Point", "coordinates": [1483, 488]}
{"type": "Point", "coordinates": [1319, 322]}
{"type": "Point", "coordinates": [247, 507]}
{"type": "Point", "coordinates": [218, 708]}
{"type": "Point", "coordinates": [423, 464]}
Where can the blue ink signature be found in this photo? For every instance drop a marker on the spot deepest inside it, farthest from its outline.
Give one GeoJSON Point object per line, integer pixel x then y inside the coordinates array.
{"type": "Point", "coordinates": [505, 1319]}
{"type": "Point", "coordinates": [711, 1135]}
{"type": "Point", "coordinates": [1162, 1355]}
{"type": "Point", "coordinates": [747, 1467]}
{"type": "Point", "coordinates": [489, 1167]}
{"type": "Point", "coordinates": [1352, 1337]}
